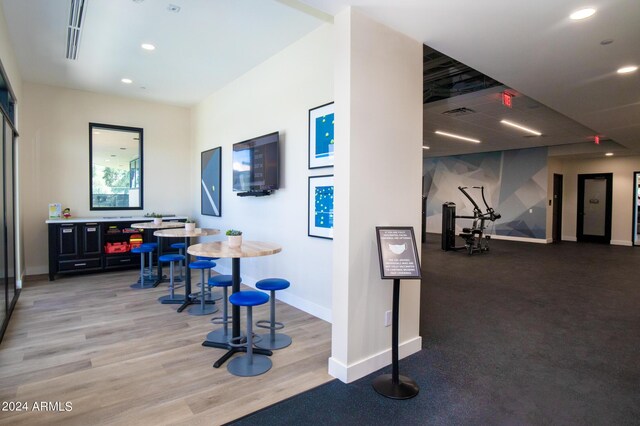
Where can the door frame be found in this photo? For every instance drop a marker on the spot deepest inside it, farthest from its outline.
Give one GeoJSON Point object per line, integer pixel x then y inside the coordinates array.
{"type": "Point", "coordinates": [635, 204]}
{"type": "Point", "coordinates": [606, 239]}
{"type": "Point", "coordinates": [556, 227]}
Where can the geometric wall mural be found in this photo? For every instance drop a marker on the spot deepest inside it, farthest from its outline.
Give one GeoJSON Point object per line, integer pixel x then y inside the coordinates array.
{"type": "Point", "coordinates": [515, 185]}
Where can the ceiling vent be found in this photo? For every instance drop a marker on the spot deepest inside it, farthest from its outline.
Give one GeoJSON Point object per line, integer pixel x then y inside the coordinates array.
{"type": "Point", "coordinates": [74, 29]}
{"type": "Point", "coordinates": [458, 112]}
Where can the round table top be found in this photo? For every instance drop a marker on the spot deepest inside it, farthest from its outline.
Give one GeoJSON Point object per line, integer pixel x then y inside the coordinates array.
{"type": "Point", "coordinates": [163, 225]}
{"type": "Point", "coordinates": [222, 249]}
{"type": "Point", "coordinates": [181, 232]}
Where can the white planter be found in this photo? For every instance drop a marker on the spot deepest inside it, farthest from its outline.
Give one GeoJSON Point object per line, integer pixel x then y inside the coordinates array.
{"type": "Point", "coordinates": [157, 220]}
{"type": "Point", "coordinates": [190, 226]}
{"type": "Point", "coordinates": [235, 240]}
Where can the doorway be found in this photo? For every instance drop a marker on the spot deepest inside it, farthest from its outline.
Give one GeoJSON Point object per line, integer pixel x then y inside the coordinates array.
{"type": "Point", "coordinates": [636, 208]}
{"type": "Point", "coordinates": [556, 233]}
{"type": "Point", "coordinates": [594, 207]}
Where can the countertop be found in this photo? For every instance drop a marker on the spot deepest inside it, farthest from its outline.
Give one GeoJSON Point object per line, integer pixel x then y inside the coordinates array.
{"type": "Point", "coordinates": [111, 219]}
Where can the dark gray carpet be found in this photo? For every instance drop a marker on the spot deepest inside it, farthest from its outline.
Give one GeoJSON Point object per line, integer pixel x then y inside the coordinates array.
{"type": "Point", "coordinates": [525, 334]}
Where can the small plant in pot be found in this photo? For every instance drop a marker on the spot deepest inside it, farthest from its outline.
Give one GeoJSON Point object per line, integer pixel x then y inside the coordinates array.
{"type": "Point", "coordinates": [235, 238]}
{"type": "Point", "coordinates": [157, 218]}
{"type": "Point", "coordinates": [189, 224]}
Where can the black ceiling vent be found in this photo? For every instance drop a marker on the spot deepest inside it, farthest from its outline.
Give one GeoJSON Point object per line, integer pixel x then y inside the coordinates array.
{"type": "Point", "coordinates": [444, 77]}
{"type": "Point", "coordinates": [74, 28]}
{"type": "Point", "coordinates": [458, 112]}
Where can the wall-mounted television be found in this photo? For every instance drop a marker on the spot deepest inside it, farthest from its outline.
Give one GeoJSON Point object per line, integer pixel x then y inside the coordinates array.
{"type": "Point", "coordinates": [256, 165]}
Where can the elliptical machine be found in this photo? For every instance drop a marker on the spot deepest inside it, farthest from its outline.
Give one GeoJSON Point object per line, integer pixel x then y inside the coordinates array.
{"type": "Point", "coordinates": [474, 238]}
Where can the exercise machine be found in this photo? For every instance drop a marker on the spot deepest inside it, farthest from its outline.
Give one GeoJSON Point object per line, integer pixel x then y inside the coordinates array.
{"type": "Point", "coordinates": [474, 238]}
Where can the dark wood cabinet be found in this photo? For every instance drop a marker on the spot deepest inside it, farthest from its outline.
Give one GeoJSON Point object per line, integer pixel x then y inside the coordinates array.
{"type": "Point", "coordinates": [81, 246]}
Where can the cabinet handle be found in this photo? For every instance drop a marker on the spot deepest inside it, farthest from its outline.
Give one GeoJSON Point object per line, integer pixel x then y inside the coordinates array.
{"type": "Point", "coordinates": [79, 264]}
{"type": "Point", "coordinates": [125, 260]}
{"type": "Point", "coordinates": [66, 231]}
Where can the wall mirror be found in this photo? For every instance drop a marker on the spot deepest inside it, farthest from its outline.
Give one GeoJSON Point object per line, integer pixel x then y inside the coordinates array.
{"type": "Point", "coordinates": [115, 161]}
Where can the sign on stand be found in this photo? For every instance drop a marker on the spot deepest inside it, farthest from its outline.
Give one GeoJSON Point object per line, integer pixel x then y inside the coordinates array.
{"type": "Point", "coordinates": [398, 260]}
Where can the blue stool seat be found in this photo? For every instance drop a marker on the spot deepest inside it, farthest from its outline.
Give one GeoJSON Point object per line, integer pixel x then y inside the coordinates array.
{"type": "Point", "coordinates": [221, 281]}
{"type": "Point", "coordinates": [141, 249]}
{"type": "Point", "coordinates": [202, 264]}
{"type": "Point", "coordinates": [206, 258]}
{"type": "Point", "coordinates": [272, 340]}
{"type": "Point", "coordinates": [269, 284]}
{"type": "Point", "coordinates": [152, 245]}
{"type": "Point", "coordinates": [249, 298]}
{"type": "Point", "coordinates": [178, 245]}
{"type": "Point", "coordinates": [203, 308]}
{"type": "Point", "coordinates": [170, 257]}
{"type": "Point", "coordinates": [249, 364]}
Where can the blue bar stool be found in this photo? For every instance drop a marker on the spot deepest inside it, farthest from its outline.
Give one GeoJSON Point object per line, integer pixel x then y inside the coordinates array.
{"type": "Point", "coordinates": [203, 308]}
{"type": "Point", "coordinates": [217, 295]}
{"type": "Point", "coordinates": [181, 247]}
{"type": "Point", "coordinates": [142, 284]}
{"type": "Point", "coordinates": [153, 247]}
{"type": "Point", "coordinates": [249, 364]}
{"type": "Point", "coordinates": [171, 258]}
{"type": "Point", "coordinates": [272, 340]}
{"type": "Point", "coordinates": [222, 334]}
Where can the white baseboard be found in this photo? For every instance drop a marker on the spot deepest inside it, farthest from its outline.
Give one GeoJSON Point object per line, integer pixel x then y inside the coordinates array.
{"type": "Point", "coordinates": [520, 239]}
{"type": "Point", "coordinates": [621, 243]}
{"type": "Point", "coordinates": [568, 238]}
{"type": "Point", "coordinates": [357, 370]}
{"type": "Point", "coordinates": [285, 296]}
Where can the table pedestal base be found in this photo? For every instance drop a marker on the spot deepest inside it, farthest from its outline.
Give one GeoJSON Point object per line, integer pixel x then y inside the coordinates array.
{"type": "Point", "coordinates": [231, 351]}
{"type": "Point", "coordinates": [403, 388]}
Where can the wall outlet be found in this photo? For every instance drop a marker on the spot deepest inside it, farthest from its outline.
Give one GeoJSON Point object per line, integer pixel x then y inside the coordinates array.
{"type": "Point", "coordinates": [387, 318]}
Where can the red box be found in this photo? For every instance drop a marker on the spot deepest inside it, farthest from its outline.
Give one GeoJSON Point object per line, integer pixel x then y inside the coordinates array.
{"type": "Point", "coordinates": [122, 247]}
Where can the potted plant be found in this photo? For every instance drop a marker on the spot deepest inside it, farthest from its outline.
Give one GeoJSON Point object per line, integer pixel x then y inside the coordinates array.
{"type": "Point", "coordinates": [157, 218]}
{"type": "Point", "coordinates": [235, 238]}
{"type": "Point", "coordinates": [189, 224]}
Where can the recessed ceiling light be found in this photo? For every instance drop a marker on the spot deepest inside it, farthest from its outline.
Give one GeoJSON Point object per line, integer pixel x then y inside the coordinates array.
{"type": "Point", "coordinates": [148, 46]}
{"type": "Point", "coordinates": [107, 160]}
{"type": "Point", "coordinates": [627, 69]}
{"type": "Point", "coordinates": [517, 126]}
{"type": "Point", "coordinates": [426, 147]}
{"type": "Point", "coordinates": [95, 132]}
{"type": "Point", "coordinates": [451, 135]}
{"type": "Point", "coordinates": [609, 154]}
{"type": "Point", "coordinates": [126, 81]}
{"type": "Point", "coordinates": [582, 14]}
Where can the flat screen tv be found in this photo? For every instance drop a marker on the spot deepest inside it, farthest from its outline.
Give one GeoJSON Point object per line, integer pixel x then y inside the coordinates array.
{"type": "Point", "coordinates": [256, 165]}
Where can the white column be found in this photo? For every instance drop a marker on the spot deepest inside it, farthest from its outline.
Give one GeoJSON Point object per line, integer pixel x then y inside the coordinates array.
{"type": "Point", "coordinates": [378, 175]}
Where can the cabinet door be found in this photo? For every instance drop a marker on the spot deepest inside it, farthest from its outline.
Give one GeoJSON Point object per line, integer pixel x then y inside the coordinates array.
{"type": "Point", "coordinates": [68, 240]}
{"type": "Point", "coordinates": [91, 238]}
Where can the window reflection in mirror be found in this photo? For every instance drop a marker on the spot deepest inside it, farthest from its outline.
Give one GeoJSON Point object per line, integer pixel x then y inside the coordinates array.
{"type": "Point", "coordinates": [115, 154]}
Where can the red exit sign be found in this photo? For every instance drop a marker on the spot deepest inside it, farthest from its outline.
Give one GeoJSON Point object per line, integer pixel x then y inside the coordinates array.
{"type": "Point", "coordinates": [506, 99]}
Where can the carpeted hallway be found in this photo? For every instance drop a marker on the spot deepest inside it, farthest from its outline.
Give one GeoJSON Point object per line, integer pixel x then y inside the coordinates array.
{"type": "Point", "coordinates": [524, 334]}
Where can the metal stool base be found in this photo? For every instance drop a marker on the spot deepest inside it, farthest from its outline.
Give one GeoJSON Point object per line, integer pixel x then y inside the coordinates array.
{"type": "Point", "coordinates": [240, 366]}
{"type": "Point", "coordinates": [277, 341]}
{"type": "Point", "coordinates": [168, 298]}
{"type": "Point", "coordinates": [139, 286]}
{"type": "Point", "coordinates": [218, 336]}
{"type": "Point", "coordinates": [198, 310]}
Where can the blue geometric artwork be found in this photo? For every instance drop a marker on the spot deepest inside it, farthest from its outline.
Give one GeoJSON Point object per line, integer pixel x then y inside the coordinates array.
{"type": "Point", "coordinates": [321, 136]}
{"type": "Point", "coordinates": [324, 206]}
{"type": "Point", "coordinates": [320, 220]}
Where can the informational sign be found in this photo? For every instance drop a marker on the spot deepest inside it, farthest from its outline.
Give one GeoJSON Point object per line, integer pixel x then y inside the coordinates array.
{"type": "Point", "coordinates": [398, 252]}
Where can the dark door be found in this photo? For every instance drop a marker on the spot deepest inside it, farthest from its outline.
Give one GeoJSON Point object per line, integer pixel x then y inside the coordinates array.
{"type": "Point", "coordinates": [557, 208]}
{"type": "Point", "coordinates": [594, 207]}
{"type": "Point", "coordinates": [636, 209]}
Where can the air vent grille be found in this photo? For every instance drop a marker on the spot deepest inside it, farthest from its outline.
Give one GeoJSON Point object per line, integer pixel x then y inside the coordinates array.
{"type": "Point", "coordinates": [74, 29]}
{"type": "Point", "coordinates": [458, 112]}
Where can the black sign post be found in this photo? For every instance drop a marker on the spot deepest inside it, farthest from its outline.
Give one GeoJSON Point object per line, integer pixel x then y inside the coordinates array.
{"type": "Point", "coordinates": [398, 260]}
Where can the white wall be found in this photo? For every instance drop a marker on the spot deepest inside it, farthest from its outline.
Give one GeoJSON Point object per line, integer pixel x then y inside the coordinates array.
{"type": "Point", "coordinates": [54, 157]}
{"type": "Point", "coordinates": [623, 194]}
{"type": "Point", "coordinates": [378, 173]}
{"type": "Point", "coordinates": [275, 96]}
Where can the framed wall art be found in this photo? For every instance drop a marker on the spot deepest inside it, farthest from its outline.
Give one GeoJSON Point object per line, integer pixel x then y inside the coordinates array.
{"type": "Point", "coordinates": [210, 176]}
{"type": "Point", "coordinates": [320, 217]}
{"type": "Point", "coordinates": [321, 141]}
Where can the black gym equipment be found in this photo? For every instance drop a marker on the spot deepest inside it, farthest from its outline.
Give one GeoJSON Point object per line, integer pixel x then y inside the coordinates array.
{"type": "Point", "coordinates": [474, 238]}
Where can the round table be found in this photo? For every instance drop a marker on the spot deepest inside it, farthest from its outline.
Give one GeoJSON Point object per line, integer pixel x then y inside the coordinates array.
{"type": "Point", "coordinates": [182, 232]}
{"type": "Point", "coordinates": [222, 249]}
{"type": "Point", "coordinates": [163, 225]}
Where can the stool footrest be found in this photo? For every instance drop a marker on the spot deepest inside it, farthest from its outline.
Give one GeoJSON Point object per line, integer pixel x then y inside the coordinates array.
{"type": "Point", "coordinates": [221, 320]}
{"type": "Point", "coordinates": [242, 340]}
{"type": "Point", "coordinates": [267, 324]}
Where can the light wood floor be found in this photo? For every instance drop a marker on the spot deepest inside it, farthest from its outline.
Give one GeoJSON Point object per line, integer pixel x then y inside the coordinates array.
{"type": "Point", "coordinates": [122, 358]}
